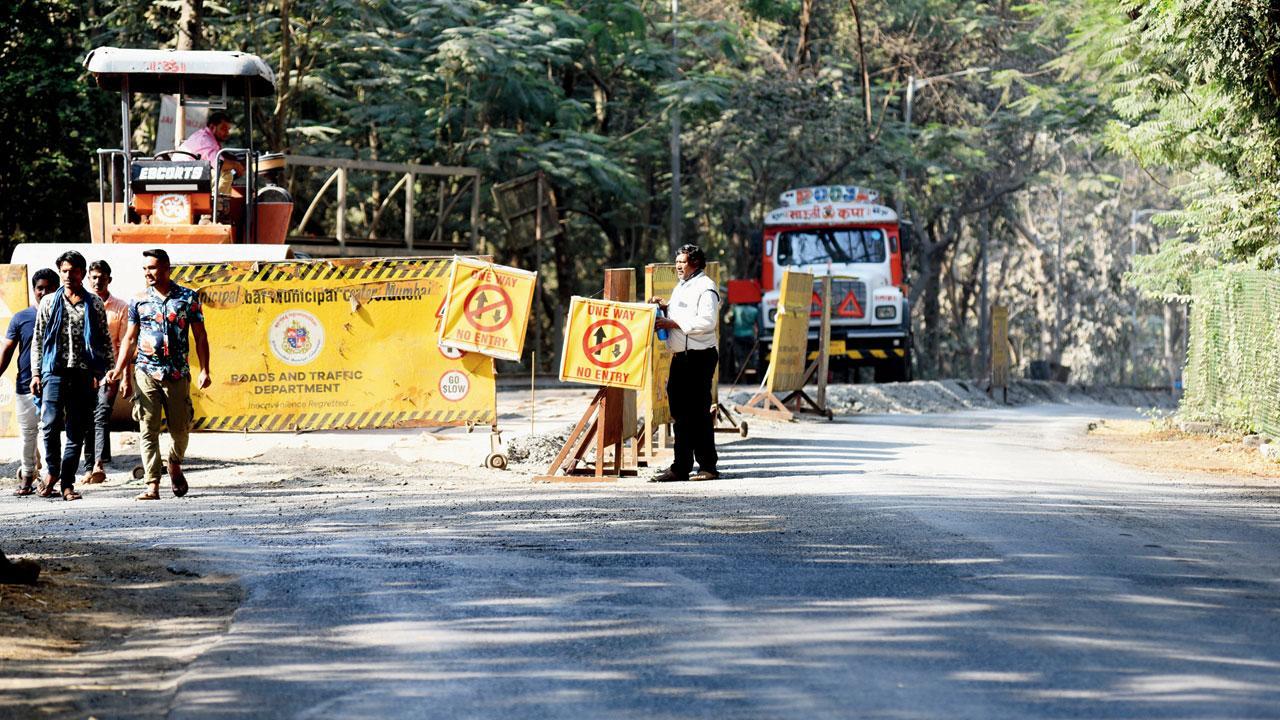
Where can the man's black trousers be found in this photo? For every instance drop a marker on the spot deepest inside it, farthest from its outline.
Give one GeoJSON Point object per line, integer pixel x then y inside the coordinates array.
{"type": "Point", "coordinates": [689, 396]}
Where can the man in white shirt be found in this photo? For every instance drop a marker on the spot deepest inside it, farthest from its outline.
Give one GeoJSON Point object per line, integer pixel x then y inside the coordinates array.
{"type": "Point", "coordinates": [691, 317]}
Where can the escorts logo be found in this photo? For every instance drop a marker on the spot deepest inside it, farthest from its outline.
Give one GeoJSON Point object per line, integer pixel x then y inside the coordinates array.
{"type": "Point", "coordinates": [296, 337]}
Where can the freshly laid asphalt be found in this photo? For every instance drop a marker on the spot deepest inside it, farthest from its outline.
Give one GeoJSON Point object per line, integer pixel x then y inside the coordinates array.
{"type": "Point", "coordinates": [972, 565]}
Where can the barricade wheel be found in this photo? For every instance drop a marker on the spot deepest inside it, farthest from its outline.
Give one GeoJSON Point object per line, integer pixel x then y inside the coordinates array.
{"type": "Point", "coordinates": [138, 472]}
{"type": "Point", "coordinates": [497, 461]}
{"type": "Point", "coordinates": [742, 428]}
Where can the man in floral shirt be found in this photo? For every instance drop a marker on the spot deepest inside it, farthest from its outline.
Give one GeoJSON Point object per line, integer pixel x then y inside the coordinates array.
{"type": "Point", "coordinates": [158, 323]}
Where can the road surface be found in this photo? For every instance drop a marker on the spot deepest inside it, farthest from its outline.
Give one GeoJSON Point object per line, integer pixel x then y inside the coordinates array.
{"type": "Point", "coordinates": [972, 565]}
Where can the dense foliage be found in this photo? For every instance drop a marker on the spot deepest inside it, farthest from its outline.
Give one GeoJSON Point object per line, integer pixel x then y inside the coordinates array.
{"type": "Point", "coordinates": [1044, 138]}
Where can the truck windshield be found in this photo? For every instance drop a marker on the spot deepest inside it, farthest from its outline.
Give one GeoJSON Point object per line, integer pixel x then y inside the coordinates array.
{"type": "Point", "coordinates": [816, 247]}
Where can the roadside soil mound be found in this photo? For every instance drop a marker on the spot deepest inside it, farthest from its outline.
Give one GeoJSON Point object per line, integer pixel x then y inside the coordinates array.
{"type": "Point", "coordinates": [940, 396]}
{"type": "Point", "coordinates": [82, 641]}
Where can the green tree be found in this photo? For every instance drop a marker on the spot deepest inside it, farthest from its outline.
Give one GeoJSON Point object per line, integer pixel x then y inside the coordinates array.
{"type": "Point", "coordinates": [55, 122]}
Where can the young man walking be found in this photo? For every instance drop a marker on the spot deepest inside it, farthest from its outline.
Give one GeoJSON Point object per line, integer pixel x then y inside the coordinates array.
{"type": "Point", "coordinates": [156, 340]}
{"type": "Point", "coordinates": [97, 443]}
{"type": "Point", "coordinates": [692, 314]}
{"type": "Point", "coordinates": [70, 352]}
{"type": "Point", "coordinates": [18, 339]}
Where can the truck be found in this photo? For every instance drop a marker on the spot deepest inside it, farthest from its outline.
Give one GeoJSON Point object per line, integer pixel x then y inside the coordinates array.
{"type": "Point", "coordinates": [840, 234]}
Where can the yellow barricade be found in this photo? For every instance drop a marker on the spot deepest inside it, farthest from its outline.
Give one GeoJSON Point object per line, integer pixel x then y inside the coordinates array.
{"type": "Point", "coordinates": [790, 334]}
{"type": "Point", "coordinates": [607, 343]}
{"type": "Point", "coordinates": [487, 310]}
{"type": "Point", "coordinates": [13, 299]}
{"type": "Point", "coordinates": [333, 344]}
{"type": "Point", "coordinates": [659, 280]}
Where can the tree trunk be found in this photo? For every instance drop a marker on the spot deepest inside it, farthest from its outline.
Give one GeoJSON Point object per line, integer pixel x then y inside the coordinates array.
{"type": "Point", "coordinates": [862, 62]}
{"type": "Point", "coordinates": [280, 117]}
{"type": "Point", "coordinates": [190, 19]}
{"type": "Point", "coordinates": [802, 45]}
{"type": "Point", "coordinates": [1172, 345]}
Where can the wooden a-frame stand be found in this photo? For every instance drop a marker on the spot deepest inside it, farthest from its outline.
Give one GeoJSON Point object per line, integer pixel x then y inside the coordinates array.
{"type": "Point", "coordinates": [767, 405]}
{"type": "Point", "coordinates": [590, 430]}
{"type": "Point", "coordinates": [602, 422]}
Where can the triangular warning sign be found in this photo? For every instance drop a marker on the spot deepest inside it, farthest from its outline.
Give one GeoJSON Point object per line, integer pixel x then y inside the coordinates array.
{"type": "Point", "coordinates": [850, 307]}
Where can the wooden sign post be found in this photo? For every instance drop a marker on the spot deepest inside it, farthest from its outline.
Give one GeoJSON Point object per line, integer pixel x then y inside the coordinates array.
{"type": "Point", "coordinates": [609, 419]}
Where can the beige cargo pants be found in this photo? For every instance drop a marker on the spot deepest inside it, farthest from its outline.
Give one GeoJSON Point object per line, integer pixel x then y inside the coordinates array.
{"type": "Point", "coordinates": [151, 398]}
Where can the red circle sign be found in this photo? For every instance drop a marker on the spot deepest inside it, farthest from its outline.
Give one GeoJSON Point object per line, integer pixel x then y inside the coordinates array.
{"type": "Point", "coordinates": [483, 304]}
{"type": "Point", "coordinates": [604, 342]}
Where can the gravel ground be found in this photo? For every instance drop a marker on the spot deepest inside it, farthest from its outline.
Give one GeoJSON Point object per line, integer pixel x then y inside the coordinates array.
{"type": "Point", "coordinates": [941, 396]}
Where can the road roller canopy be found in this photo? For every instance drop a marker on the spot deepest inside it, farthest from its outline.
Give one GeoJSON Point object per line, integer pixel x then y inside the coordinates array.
{"type": "Point", "coordinates": [180, 72]}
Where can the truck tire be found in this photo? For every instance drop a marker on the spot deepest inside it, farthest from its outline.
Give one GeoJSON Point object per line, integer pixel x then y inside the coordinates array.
{"type": "Point", "coordinates": [895, 370]}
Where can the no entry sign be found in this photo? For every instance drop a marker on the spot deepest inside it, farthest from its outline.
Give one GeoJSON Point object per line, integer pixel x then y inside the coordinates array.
{"type": "Point", "coordinates": [607, 343]}
{"type": "Point", "coordinates": [487, 310]}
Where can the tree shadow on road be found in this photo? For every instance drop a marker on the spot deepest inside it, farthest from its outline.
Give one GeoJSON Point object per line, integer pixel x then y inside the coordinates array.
{"type": "Point", "coordinates": [612, 603]}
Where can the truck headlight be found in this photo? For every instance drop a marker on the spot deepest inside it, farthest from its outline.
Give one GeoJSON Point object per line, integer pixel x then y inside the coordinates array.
{"type": "Point", "coordinates": [886, 312]}
{"type": "Point", "coordinates": [773, 316]}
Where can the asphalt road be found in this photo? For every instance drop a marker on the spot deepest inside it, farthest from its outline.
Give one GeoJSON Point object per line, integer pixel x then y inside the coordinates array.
{"type": "Point", "coordinates": [973, 565]}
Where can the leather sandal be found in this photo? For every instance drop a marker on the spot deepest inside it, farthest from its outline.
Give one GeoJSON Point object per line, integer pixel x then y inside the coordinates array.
{"type": "Point", "coordinates": [94, 478]}
{"type": "Point", "coordinates": [48, 488]}
{"type": "Point", "coordinates": [70, 494]}
{"type": "Point", "coordinates": [26, 487]}
{"type": "Point", "coordinates": [153, 492]}
{"type": "Point", "coordinates": [179, 480]}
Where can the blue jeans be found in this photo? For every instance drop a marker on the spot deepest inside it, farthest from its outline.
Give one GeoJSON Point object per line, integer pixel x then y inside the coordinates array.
{"type": "Point", "coordinates": [67, 401]}
{"type": "Point", "coordinates": [97, 442]}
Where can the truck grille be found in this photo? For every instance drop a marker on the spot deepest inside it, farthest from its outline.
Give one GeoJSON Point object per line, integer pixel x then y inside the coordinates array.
{"type": "Point", "coordinates": [848, 299]}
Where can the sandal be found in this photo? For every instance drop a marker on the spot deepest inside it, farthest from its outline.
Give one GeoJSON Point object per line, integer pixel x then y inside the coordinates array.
{"type": "Point", "coordinates": [179, 484]}
{"type": "Point", "coordinates": [26, 487]}
{"type": "Point", "coordinates": [48, 488]}
{"type": "Point", "coordinates": [153, 493]}
{"type": "Point", "coordinates": [70, 494]}
{"type": "Point", "coordinates": [94, 478]}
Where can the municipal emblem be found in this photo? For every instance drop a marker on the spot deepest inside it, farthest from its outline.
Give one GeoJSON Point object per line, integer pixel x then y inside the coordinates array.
{"type": "Point", "coordinates": [296, 337]}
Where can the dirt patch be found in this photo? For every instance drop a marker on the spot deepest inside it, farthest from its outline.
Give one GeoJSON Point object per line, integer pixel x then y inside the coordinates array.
{"type": "Point", "coordinates": [83, 640]}
{"type": "Point", "coordinates": [1153, 445]}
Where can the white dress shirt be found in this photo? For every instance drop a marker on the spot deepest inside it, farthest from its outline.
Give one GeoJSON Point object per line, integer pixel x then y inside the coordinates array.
{"type": "Point", "coordinates": [695, 307]}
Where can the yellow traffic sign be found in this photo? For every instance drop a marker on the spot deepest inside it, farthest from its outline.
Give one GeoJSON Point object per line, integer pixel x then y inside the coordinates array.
{"type": "Point", "coordinates": [607, 343]}
{"type": "Point", "coordinates": [487, 310]}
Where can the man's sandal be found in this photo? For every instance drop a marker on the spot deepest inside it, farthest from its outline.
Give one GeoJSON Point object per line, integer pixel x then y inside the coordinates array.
{"type": "Point", "coordinates": [26, 487]}
{"type": "Point", "coordinates": [178, 479]}
{"type": "Point", "coordinates": [153, 493]}
{"type": "Point", "coordinates": [48, 488]}
{"type": "Point", "coordinates": [94, 478]}
{"type": "Point", "coordinates": [70, 494]}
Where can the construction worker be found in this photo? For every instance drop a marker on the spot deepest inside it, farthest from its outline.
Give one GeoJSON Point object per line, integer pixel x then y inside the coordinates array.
{"type": "Point", "coordinates": [207, 141]}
